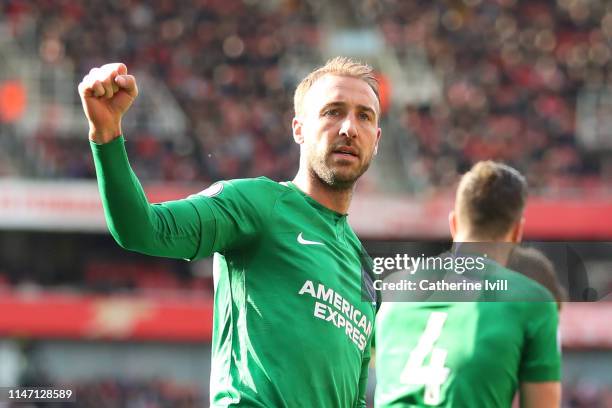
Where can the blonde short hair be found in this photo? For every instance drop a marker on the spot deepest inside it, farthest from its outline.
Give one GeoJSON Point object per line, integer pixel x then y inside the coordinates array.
{"type": "Point", "coordinates": [341, 66]}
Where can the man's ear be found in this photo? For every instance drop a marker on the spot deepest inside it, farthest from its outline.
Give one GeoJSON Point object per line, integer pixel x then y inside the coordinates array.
{"type": "Point", "coordinates": [378, 135]}
{"type": "Point", "coordinates": [517, 231]}
{"type": "Point", "coordinates": [452, 223]}
{"type": "Point", "coordinates": [296, 125]}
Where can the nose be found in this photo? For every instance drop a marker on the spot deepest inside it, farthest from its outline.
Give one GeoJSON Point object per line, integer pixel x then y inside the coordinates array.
{"type": "Point", "coordinates": [348, 128]}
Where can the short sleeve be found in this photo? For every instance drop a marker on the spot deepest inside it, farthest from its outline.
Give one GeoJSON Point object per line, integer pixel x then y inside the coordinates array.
{"type": "Point", "coordinates": [541, 357]}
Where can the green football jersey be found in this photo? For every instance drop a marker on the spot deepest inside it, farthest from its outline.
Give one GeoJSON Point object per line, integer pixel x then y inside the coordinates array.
{"type": "Point", "coordinates": [291, 327]}
{"type": "Point", "coordinates": [466, 354]}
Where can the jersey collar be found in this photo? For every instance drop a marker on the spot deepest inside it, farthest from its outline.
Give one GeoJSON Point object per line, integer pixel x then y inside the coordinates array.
{"type": "Point", "coordinates": [314, 203]}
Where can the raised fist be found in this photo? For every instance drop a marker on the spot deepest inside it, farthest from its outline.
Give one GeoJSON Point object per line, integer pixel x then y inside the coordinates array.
{"type": "Point", "coordinates": [107, 93]}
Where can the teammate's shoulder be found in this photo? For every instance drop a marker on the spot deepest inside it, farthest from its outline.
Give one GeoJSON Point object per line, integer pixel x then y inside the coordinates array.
{"type": "Point", "coordinates": [523, 287]}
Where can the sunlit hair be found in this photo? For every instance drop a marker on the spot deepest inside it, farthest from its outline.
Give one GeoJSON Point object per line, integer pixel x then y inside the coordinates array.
{"type": "Point", "coordinates": [491, 198]}
{"type": "Point", "coordinates": [341, 66]}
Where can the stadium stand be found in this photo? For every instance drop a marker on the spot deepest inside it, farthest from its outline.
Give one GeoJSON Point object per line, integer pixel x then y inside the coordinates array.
{"type": "Point", "coordinates": [112, 393]}
{"type": "Point", "coordinates": [220, 59]}
{"type": "Point", "coordinates": [514, 80]}
{"type": "Point", "coordinates": [512, 74]}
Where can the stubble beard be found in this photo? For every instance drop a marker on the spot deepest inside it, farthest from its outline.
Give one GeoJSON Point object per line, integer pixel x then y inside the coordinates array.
{"type": "Point", "coordinates": [331, 177]}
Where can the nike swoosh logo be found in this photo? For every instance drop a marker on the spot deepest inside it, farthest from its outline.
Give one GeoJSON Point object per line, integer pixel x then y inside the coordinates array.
{"type": "Point", "coordinates": [303, 241]}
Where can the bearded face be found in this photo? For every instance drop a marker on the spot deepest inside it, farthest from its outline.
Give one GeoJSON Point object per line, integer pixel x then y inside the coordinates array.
{"type": "Point", "coordinates": [338, 130]}
{"type": "Point", "coordinates": [338, 164]}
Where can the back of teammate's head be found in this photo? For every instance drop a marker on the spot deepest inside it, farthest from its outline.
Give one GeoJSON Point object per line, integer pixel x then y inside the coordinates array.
{"type": "Point", "coordinates": [535, 265]}
{"type": "Point", "coordinates": [489, 204]}
{"type": "Point", "coordinates": [340, 66]}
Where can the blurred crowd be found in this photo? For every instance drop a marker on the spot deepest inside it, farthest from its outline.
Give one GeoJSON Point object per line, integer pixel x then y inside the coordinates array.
{"type": "Point", "coordinates": [512, 72]}
{"type": "Point", "coordinates": [586, 395]}
{"type": "Point", "coordinates": [220, 59]}
{"type": "Point", "coordinates": [160, 393]}
{"type": "Point", "coordinates": [115, 393]}
{"type": "Point", "coordinates": [138, 394]}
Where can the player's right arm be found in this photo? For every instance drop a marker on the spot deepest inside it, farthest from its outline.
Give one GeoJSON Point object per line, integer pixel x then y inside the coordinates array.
{"type": "Point", "coordinates": [169, 229]}
{"type": "Point", "coordinates": [187, 228]}
{"type": "Point", "coordinates": [540, 368]}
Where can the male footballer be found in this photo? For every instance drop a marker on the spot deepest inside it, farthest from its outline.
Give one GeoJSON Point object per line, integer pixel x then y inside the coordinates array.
{"type": "Point", "coordinates": [477, 353]}
{"type": "Point", "coordinates": [290, 327]}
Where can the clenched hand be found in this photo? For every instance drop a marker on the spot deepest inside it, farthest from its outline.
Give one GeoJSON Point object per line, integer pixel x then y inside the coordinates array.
{"type": "Point", "coordinates": [107, 93]}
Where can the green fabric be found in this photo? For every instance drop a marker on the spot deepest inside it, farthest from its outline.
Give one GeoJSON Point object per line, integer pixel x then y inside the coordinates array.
{"type": "Point", "coordinates": [291, 328]}
{"type": "Point", "coordinates": [488, 348]}
{"type": "Point", "coordinates": [170, 229]}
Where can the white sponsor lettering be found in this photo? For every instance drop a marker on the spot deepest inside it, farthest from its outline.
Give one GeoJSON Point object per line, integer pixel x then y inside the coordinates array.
{"type": "Point", "coordinates": [308, 287]}
{"type": "Point", "coordinates": [331, 307]}
{"type": "Point", "coordinates": [319, 310]}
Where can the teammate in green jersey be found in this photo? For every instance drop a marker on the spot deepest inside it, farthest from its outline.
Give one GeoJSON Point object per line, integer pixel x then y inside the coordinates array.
{"type": "Point", "coordinates": [291, 328]}
{"type": "Point", "coordinates": [474, 353]}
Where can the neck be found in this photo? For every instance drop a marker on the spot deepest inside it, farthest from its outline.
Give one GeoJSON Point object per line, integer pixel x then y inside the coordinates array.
{"type": "Point", "coordinates": [496, 250]}
{"type": "Point", "coordinates": [337, 200]}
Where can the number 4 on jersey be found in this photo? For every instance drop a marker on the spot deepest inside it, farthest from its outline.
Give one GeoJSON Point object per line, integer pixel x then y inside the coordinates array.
{"type": "Point", "coordinates": [433, 375]}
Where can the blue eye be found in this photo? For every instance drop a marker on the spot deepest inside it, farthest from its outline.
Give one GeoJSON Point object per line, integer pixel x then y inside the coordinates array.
{"type": "Point", "coordinates": [332, 112]}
